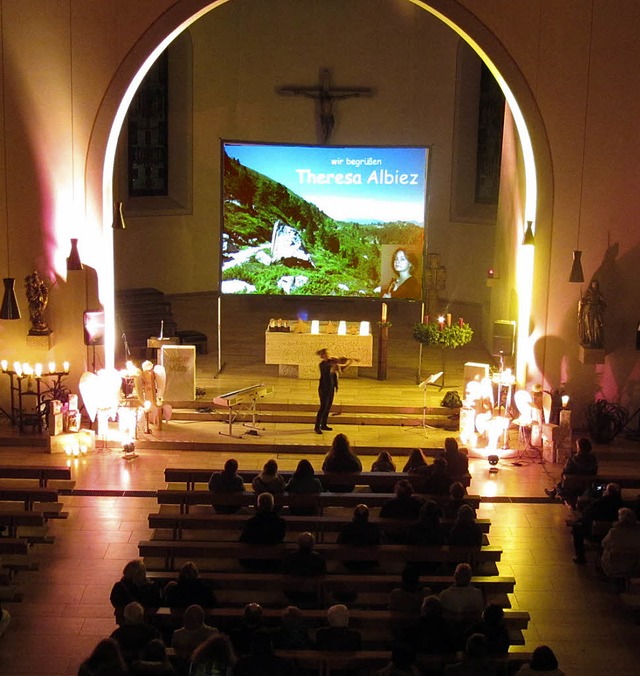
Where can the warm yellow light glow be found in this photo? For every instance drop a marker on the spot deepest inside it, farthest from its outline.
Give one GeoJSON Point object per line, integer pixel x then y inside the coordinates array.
{"type": "Point", "coordinates": [365, 328]}
{"type": "Point", "coordinates": [4, 364]}
{"type": "Point", "coordinates": [342, 328]}
{"type": "Point", "coordinates": [65, 366]}
{"type": "Point", "coordinates": [565, 400]}
{"type": "Point", "coordinates": [524, 285]}
{"type": "Point", "coordinates": [315, 327]}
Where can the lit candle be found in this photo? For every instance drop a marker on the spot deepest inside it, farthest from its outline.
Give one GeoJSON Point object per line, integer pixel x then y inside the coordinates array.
{"type": "Point", "coordinates": [52, 367]}
{"type": "Point", "coordinates": [17, 368]}
{"type": "Point", "coordinates": [315, 327]}
{"type": "Point", "coordinates": [460, 322]}
{"type": "Point", "coordinates": [448, 319]}
{"type": "Point", "coordinates": [565, 400]}
{"type": "Point", "coordinates": [441, 322]}
{"type": "Point", "coordinates": [38, 370]}
{"type": "Point", "coordinates": [384, 312]}
{"type": "Point", "coordinates": [364, 328]}
{"type": "Point", "coordinates": [27, 369]}
{"type": "Point", "coordinates": [4, 364]}
{"type": "Point", "coordinates": [342, 328]}
{"type": "Point", "coordinates": [65, 366]}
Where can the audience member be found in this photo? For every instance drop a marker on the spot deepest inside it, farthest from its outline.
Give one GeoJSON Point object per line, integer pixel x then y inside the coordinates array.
{"type": "Point", "coordinates": [265, 528]}
{"type": "Point", "coordinates": [134, 634]}
{"type": "Point", "coordinates": [465, 532]}
{"type": "Point", "coordinates": [188, 590]}
{"type": "Point", "coordinates": [408, 597]}
{"type": "Point", "coordinates": [193, 632]}
{"type": "Point", "coordinates": [269, 481]}
{"type": "Point", "coordinates": [457, 461]}
{"type": "Point", "coordinates": [462, 604]}
{"type": "Point", "coordinates": [402, 663]}
{"type": "Point", "coordinates": [300, 564]}
{"type": "Point", "coordinates": [583, 463]}
{"type": "Point", "coordinates": [621, 545]}
{"type": "Point", "coordinates": [416, 462]}
{"type": "Point", "coordinates": [262, 661]}
{"type": "Point", "coordinates": [492, 626]}
{"type": "Point", "coordinates": [383, 463]}
{"type": "Point", "coordinates": [431, 634]}
{"type": "Point", "coordinates": [225, 482]}
{"type": "Point", "coordinates": [337, 636]}
{"type": "Point", "coordinates": [426, 532]}
{"type": "Point", "coordinates": [292, 634]}
{"type": "Point", "coordinates": [134, 586]}
{"type": "Point", "coordinates": [215, 656]}
{"type": "Point", "coordinates": [457, 493]}
{"type": "Point", "coordinates": [153, 661]}
{"type": "Point", "coordinates": [341, 460]}
{"type": "Point", "coordinates": [302, 483]}
{"type": "Point", "coordinates": [105, 660]}
{"type": "Point", "coordinates": [475, 661]}
{"type": "Point", "coordinates": [542, 661]}
{"type": "Point", "coordinates": [438, 477]}
{"type": "Point", "coordinates": [603, 509]}
{"type": "Point", "coordinates": [404, 505]}
{"type": "Point", "coordinates": [242, 634]}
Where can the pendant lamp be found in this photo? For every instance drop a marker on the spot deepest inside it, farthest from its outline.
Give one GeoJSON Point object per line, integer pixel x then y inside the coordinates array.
{"type": "Point", "coordinates": [118, 217]}
{"type": "Point", "coordinates": [73, 261]}
{"type": "Point", "coordinates": [9, 309]}
{"type": "Point", "coordinates": [576, 276]}
{"type": "Point", "coordinates": [528, 239]}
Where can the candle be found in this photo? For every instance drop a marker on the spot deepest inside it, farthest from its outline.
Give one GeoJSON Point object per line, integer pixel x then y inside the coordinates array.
{"type": "Point", "coordinates": [342, 328]}
{"type": "Point", "coordinates": [38, 370]}
{"type": "Point", "coordinates": [460, 322]}
{"type": "Point", "coordinates": [448, 319]}
{"type": "Point", "coordinates": [65, 366]}
{"type": "Point", "coordinates": [4, 364]}
{"type": "Point", "coordinates": [364, 328]}
{"type": "Point", "coordinates": [565, 400]}
{"type": "Point", "coordinates": [384, 312]}
{"type": "Point", "coordinates": [17, 368]}
{"type": "Point", "coordinates": [52, 367]}
{"type": "Point", "coordinates": [441, 322]}
{"type": "Point", "coordinates": [425, 319]}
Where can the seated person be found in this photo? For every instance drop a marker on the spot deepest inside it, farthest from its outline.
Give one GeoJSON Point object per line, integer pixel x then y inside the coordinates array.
{"type": "Point", "coordinates": [193, 632]}
{"type": "Point", "coordinates": [416, 462]}
{"type": "Point", "coordinates": [438, 477]}
{"type": "Point", "coordinates": [404, 505]}
{"type": "Point", "coordinates": [292, 634]}
{"type": "Point", "coordinates": [402, 663]}
{"type": "Point", "coordinates": [269, 481]}
{"type": "Point", "coordinates": [475, 661]}
{"type": "Point", "coordinates": [431, 634]}
{"type": "Point", "coordinates": [189, 589]}
{"type": "Point", "coordinates": [261, 660]}
{"type": "Point", "coordinates": [603, 509]}
{"type": "Point", "coordinates": [242, 634]}
{"type": "Point", "coordinates": [408, 597]}
{"type": "Point", "coordinates": [213, 656]}
{"type": "Point", "coordinates": [134, 634]}
{"type": "Point", "coordinates": [426, 532]}
{"type": "Point", "coordinates": [227, 481]}
{"type": "Point", "coordinates": [583, 463]}
{"type": "Point", "coordinates": [383, 463]}
{"type": "Point", "coordinates": [106, 658]}
{"type": "Point", "coordinates": [462, 604]}
{"type": "Point", "coordinates": [457, 493]}
{"type": "Point", "coordinates": [457, 461]}
{"type": "Point", "coordinates": [265, 528]}
{"type": "Point", "coordinates": [492, 626]}
{"type": "Point", "coordinates": [341, 460]}
{"type": "Point", "coordinates": [359, 533]}
{"type": "Point", "coordinates": [303, 563]}
{"type": "Point", "coordinates": [542, 660]}
{"type": "Point", "coordinates": [153, 661]}
{"type": "Point", "coordinates": [337, 636]}
{"type": "Point", "coordinates": [303, 482]}
{"type": "Point", "coordinates": [134, 586]}
{"type": "Point", "coordinates": [621, 545]}
{"type": "Point", "coordinates": [465, 532]}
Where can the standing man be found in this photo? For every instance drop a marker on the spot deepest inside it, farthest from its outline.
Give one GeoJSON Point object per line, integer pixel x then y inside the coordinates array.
{"type": "Point", "coordinates": [328, 386]}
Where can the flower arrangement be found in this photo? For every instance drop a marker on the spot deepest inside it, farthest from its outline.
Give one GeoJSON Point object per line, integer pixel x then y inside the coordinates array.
{"type": "Point", "coordinates": [438, 333]}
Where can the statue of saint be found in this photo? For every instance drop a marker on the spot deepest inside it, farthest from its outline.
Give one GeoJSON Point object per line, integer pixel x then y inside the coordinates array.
{"type": "Point", "coordinates": [591, 317]}
{"type": "Point", "coordinates": [37, 293]}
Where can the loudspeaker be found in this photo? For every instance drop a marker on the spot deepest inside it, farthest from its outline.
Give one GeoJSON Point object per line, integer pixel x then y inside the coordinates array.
{"type": "Point", "coordinates": [504, 335]}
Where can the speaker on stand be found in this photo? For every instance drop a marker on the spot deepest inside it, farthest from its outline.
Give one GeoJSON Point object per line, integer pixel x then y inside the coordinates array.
{"type": "Point", "coordinates": [504, 338]}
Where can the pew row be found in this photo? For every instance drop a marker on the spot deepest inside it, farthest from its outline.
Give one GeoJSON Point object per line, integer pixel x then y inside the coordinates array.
{"type": "Point", "coordinates": [318, 525]}
{"type": "Point", "coordinates": [173, 552]}
{"type": "Point", "coordinates": [318, 501]}
{"type": "Point", "coordinates": [41, 474]}
{"type": "Point", "coordinates": [378, 482]}
{"type": "Point", "coordinates": [44, 500]}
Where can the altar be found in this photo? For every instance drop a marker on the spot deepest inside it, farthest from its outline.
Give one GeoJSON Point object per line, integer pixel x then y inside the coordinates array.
{"type": "Point", "coordinates": [294, 351]}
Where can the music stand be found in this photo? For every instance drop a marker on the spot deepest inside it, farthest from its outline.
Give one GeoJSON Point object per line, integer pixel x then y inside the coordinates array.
{"type": "Point", "coordinates": [431, 380]}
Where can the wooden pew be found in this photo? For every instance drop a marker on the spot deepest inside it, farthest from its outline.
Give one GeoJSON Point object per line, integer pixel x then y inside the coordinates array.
{"type": "Point", "coordinates": [34, 499]}
{"type": "Point", "coordinates": [319, 525]}
{"type": "Point", "coordinates": [14, 555]}
{"type": "Point", "coordinates": [188, 498]}
{"type": "Point", "coordinates": [29, 526]}
{"type": "Point", "coordinates": [171, 550]}
{"type": "Point", "coordinates": [581, 483]}
{"type": "Point", "coordinates": [42, 474]}
{"type": "Point", "coordinates": [379, 482]}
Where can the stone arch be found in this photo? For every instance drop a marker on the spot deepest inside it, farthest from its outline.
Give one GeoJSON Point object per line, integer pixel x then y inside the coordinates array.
{"type": "Point", "coordinates": [108, 121]}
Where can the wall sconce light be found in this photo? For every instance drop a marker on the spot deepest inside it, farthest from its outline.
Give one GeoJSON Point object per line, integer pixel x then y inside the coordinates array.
{"type": "Point", "coordinates": [528, 239]}
{"type": "Point", "coordinates": [118, 217]}
{"type": "Point", "coordinates": [576, 276]}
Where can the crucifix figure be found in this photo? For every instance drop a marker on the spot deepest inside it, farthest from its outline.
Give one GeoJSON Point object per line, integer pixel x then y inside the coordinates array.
{"type": "Point", "coordinates": [325, 95]}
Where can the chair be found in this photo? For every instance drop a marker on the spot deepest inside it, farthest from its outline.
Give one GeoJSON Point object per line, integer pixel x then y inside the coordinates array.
{"type": "Point", "coordinates": [524, 422]}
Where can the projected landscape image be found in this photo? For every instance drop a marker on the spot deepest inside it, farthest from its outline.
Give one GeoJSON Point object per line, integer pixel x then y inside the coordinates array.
{"type": "Point", "coordinates": [313, 220]}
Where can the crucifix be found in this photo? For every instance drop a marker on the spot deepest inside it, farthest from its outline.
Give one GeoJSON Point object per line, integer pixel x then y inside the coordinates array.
{"type": "Point", "coordinates": [325, 95]}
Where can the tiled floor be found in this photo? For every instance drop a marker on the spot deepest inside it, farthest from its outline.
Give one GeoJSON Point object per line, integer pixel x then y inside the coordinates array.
{"type": "Point", "coordinates": [66, 608]}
